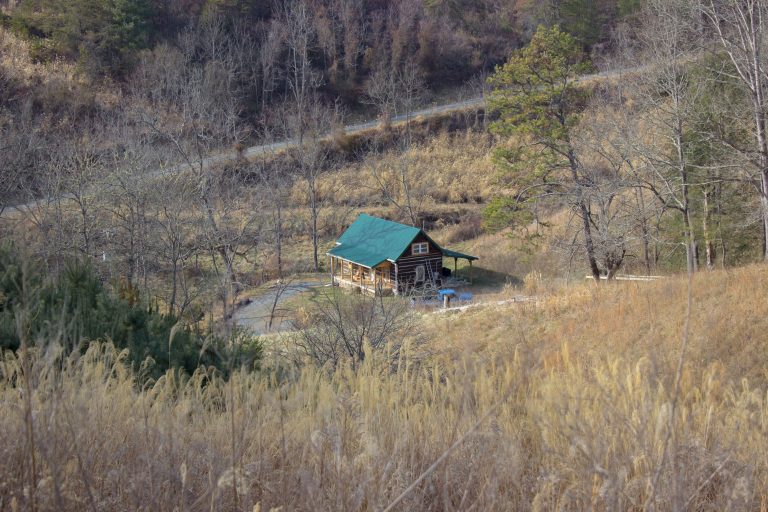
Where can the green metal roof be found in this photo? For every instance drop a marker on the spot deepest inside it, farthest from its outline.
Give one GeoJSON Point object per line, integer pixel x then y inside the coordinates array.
{"type": "Point", "coordinates": [357, 255]}
{"type": "Point", "coordinates": [370, 241]}
{"type": "Point", "coordinates": [455, 254]}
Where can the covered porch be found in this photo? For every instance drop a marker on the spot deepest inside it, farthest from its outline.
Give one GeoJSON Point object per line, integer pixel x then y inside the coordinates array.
{"type": "Point", "coordinates": [378, 280]}
{"type": "Point", "coordinates": [466, 275]}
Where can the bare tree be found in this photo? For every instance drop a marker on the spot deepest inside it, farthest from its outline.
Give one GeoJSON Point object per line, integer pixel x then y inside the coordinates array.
{"type": "Point", "coordinates": [606, 165]}
{"type": "Point", "coordinates": [126, 235]}
{"type": "Point", "coordinates": [206, 98]}
{"type": "Point", "coordinates": [21, 145]}
{"type": "Point", "coordinates": [269, 53]}
{"type": "Point", "coordinates": [127, 195]}
{"type": "Point", "coordinates": [399, 184]}
{"type": "Point", "coordinates": [279, 288]}
{"type": "Point", "coordinates": [312, 159]}
{"type": "Point", "coordinates": [669, 94]}
{"type": "Point", "coordinates": [392, 89]}
{"type": "Point", "coordinates": [740, 27]}
{"type": "Point", "coordinates": [302, 80]}
{"type": "Point", "coordinates": [340, 28]}
{"type": "Point", "coordinates": [305, 119]}
{"type": "Point", "coordinates": [83, 170]}
{"type": "Point", "coordinates": [351, 24]}
{"type": "Point", "coordinates": [233, 234]}
{"type": "Point", "coordinates": [342, 326]}
{"type": "Point", "coordinates": [381, 92]}
{"type": "Point", "coordinates": [44, 211]}
{"type": "Point", "coordinates": [410, 89]}
{"type": "Point", "coordinates": [173, 237]}
{"type": "Point", "coordinates": [273, 190]}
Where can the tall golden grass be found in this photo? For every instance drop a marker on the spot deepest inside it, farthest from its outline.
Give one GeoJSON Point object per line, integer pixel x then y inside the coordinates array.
{"type": "Point", "coordinates": [581, 417]}
{"type": "Point", "coordinates": [449, 168]}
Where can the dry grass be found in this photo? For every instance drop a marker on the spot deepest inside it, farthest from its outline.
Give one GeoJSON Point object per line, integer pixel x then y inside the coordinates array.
{"type": "Point", "coordinates": [633, 319]}
{"type": "Point", "coordinates": [53, 86]}
{"type": "Point", "coordinates": [449, 168]}
{"type": "Point", "coordinates": [15, 58]}
{"type": "Point", "coordinates": [581, 383]}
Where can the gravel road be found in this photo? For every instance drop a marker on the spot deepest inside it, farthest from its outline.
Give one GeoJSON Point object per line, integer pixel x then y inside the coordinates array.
{"type": "Point", "coordinates": [255, 315]}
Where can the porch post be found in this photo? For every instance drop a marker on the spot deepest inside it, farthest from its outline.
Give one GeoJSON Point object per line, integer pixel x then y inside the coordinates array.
{"type": "Point", "coordinates": [395, 282]}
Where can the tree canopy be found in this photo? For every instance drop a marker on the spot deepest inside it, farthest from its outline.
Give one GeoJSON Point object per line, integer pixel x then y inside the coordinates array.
{"type": "Point", "coordinates": [538, 104]}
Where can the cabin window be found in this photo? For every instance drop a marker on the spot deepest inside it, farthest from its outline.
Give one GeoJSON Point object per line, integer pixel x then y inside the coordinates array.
{"type": "Point", "coordinates": [420, 271]}
{"type": "Point", "coordinates": [420, 248]}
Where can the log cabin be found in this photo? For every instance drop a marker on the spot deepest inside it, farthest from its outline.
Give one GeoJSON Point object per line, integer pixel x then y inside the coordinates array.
{"type": "Point", "coordinates": [383, 257]}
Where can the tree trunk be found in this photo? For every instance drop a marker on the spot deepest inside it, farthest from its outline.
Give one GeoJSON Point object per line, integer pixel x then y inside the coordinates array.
{"type": "Point", "coordinates": [690, 237]}
{"type": "Point", "coordinates": [315, 242]}
{"type": "Point", "coordinates": [644, 231]}
{"type": "Point", "coordinates": [279, 239]}
{"type": "Point", "coordinates": [762, 143]}
{"type": "Point", "coordinates": [764, 205]}
{"type": "Point", "coordinates": [690, 242]}
{"type": "Point", "coordinates": [708, 245]}
{"type": "Point", "coordinates": [584, 212]}
{"type": "Point", "coordinates": [84, 231]}
{"type": "Point", "coordinates": [589, 243]}
{"type": "Point", "coordinates": [719, 222]}
{"type": "Point", "coordinates": [175, 273]}
{"type": "Point", "coordinates": [230, 285]}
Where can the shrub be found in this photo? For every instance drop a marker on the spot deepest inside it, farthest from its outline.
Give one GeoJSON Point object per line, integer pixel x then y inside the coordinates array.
{"type": "Point", "coordinates": [341, 327]}
{"type": "Point", "coordinates": [74, 308]}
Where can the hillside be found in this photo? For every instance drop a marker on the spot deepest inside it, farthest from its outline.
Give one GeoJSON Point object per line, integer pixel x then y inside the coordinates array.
{"type": "Point", "coordinates": [570, 403]}
{"type": "Point", "coordinates": [269, 256]}
{"type": "Point", "coordinates": [632, 319]}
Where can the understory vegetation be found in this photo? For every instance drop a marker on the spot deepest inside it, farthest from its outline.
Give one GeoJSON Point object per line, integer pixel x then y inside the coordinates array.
{"type": "Point", "coordinates": [74, 309]}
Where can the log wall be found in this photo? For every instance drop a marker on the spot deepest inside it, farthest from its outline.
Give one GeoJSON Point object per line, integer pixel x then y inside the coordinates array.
{"type": "Point", "coordinates": [406, 265]}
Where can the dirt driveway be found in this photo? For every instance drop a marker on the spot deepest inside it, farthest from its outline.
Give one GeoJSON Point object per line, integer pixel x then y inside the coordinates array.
{"type": "Point", "coordinates": [255, 316]}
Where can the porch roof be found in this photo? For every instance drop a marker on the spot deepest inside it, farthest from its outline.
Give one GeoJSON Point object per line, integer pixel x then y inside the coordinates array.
{"type": "Point", "coordinates": [357, 254]}
{"type": "Point", "coordinates": [456, 254]}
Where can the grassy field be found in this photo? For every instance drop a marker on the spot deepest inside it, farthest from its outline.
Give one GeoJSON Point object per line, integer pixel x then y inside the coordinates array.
{"type": "Point", "coordinates": [571, 403]}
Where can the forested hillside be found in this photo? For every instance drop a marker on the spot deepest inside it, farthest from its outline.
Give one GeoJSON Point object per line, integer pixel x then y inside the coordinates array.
{"type": "Point", "coordinates": [111, 110]}
{"type": "Point", "coordinates": [99, 95]}
{"type": "Point", "coordinates": [173, 174]}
